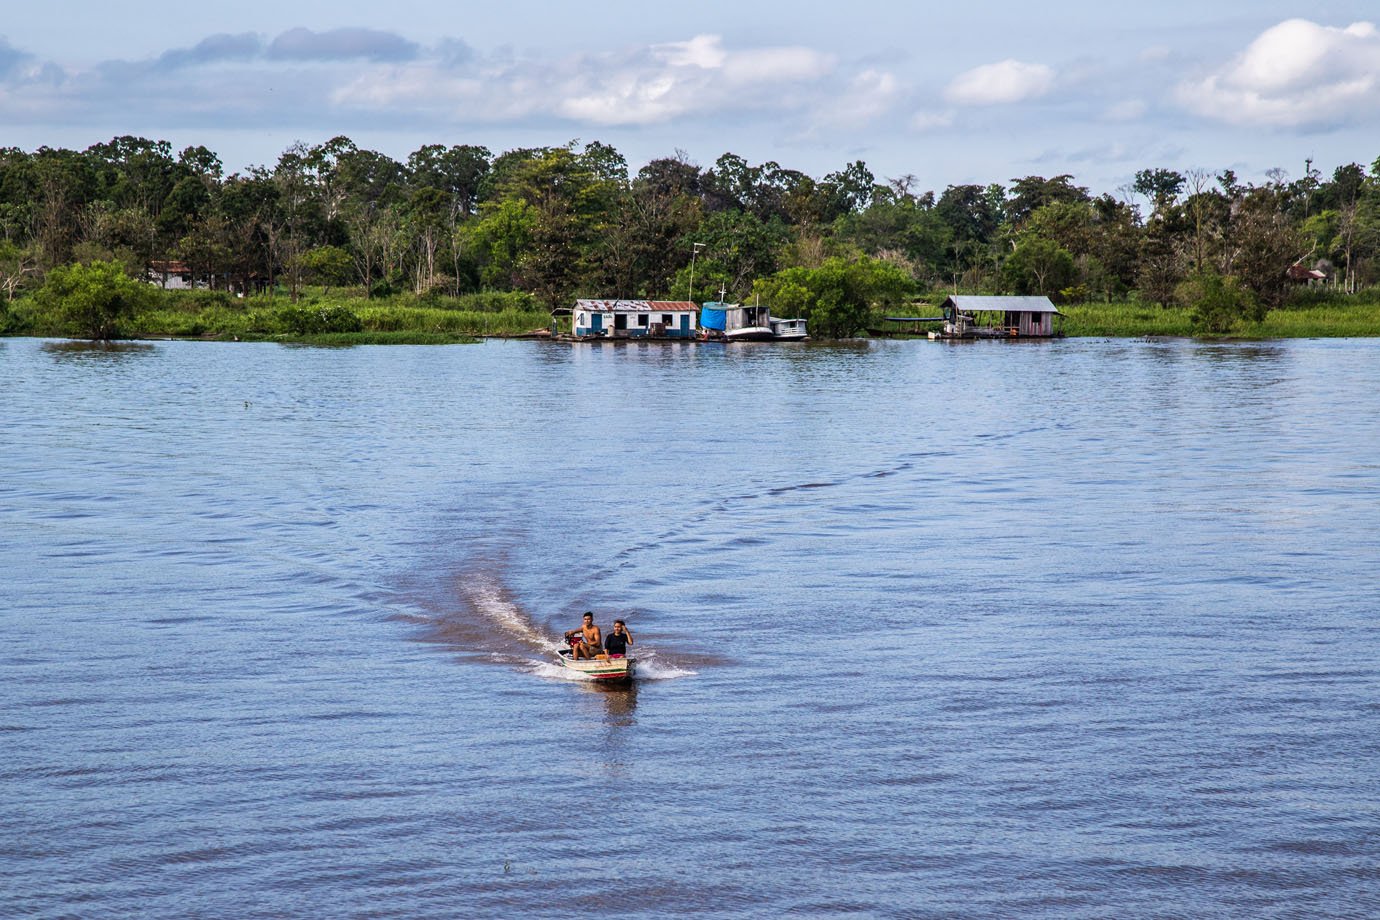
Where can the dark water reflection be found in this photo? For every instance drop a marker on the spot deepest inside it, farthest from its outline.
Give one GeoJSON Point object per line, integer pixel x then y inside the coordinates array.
{"type": "Point", "coordinates": [1080, 629]}
{"type": "Point", "coordinates": [77, 352]}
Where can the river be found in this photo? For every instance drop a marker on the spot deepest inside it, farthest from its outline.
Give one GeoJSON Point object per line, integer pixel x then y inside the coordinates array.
{"type": "Point", "coordinates": [1084, 628]}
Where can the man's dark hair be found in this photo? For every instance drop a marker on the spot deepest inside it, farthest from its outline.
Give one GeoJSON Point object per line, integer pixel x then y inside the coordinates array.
{"type": "Point", "coordinates": [589, 613]}
{"type": "Point", "coordinates": [619, 623]}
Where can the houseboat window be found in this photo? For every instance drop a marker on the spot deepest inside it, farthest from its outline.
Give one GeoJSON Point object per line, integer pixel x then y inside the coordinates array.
{"type": "Point", "coordinates": [666, 319]}
{"type": "Point", "coordinates": [642, 319]}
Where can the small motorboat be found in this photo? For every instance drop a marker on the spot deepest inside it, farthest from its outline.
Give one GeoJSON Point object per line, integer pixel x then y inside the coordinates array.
{"type": "Point", "coordinates": [605, 667]}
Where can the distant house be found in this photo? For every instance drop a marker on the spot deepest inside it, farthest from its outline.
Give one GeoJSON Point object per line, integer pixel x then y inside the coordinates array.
{"type": "Point", "coordinates": [620, 319]}
{"type": "Point", "coordinates": [971, 317]}
{"type": "Point", "coordinates": [172, 275]}
{"type": "Point", "coordinates": [1302, 274]}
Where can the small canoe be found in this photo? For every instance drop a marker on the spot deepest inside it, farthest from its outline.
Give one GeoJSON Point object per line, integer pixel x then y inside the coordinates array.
{"type": "Point", "coordinates": [602, 668]}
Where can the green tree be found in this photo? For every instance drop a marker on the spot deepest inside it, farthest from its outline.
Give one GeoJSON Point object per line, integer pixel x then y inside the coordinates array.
{"type": "Point", "coordinates": [1162, 256]}
{"type": "Point", "coordinates": [1038, 266]}
{"type": "Point", "coordinates": [839, 297]}
{"type": "Point", "coordinates": [499, 239]}
{"type": "Point", "coordinates": [328, 265]}
{"type": "Point", "coordinates": [1161, 186]}
{"type": "Point", "coordinates": [1034, 192]}
{"type": "Point", "coordinates": [16, 263]}
{"type": "Point", "coordinates": [93, 299]}
{"type": "Point", "coordinates": [1264, 244]}
{"type": "Point", "coordinates": [1219, 303]}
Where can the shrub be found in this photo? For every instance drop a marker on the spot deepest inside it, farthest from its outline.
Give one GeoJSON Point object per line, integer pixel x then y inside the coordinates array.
{"type": "Point", "coordinates": [316, 320]}
{"type": "Point", "coordinates": [1220, 304]}
{"type": "Point", "coordinates": [93, 299]}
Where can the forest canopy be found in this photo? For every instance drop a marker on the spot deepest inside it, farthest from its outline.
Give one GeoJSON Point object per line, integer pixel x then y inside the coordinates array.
{"type": "Point", "coordinates": [567, 221]}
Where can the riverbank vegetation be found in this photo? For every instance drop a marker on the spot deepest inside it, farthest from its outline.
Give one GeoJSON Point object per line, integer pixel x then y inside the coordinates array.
{"type": "Point", "coordinates": [455, 242]}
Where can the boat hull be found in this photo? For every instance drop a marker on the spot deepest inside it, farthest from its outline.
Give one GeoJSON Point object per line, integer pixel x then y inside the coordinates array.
{"type": "Point", "coordinates": [610, 670]}
{"type": "Point", "coordinates": [750, 334]}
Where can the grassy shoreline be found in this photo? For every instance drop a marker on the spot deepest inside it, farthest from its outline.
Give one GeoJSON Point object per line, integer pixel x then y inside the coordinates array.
{"type": "Point", "coordinates": [332, 319]}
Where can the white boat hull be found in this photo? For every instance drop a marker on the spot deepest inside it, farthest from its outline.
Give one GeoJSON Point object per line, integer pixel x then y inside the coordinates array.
{"type": "Point", "coordinates": [600, 669]}
{"type": "Point", "coordinates": [750, 334]}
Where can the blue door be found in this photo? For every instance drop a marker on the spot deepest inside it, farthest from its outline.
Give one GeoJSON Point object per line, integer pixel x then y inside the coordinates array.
{"type": "Point", "coordinates": [596, 323]}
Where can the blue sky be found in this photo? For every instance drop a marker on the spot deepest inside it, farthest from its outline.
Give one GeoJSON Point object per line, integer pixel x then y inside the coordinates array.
{"type": "Point", "coordinates": [949, 93]}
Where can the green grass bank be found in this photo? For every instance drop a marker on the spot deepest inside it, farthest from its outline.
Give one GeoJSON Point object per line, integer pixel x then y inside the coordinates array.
{"type": "Point", "coordinates": [329, 317]}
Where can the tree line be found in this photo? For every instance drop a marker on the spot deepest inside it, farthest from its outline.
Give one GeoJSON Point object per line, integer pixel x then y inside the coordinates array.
{"type": "Point", "coordinates": [574, 220]}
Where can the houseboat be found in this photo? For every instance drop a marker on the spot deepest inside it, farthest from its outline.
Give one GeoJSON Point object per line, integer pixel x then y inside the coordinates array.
{"type": "Point", "coordinates": [973, 317]}
{"type": "Point", "coordinates": [735, 322]}
{"type": "Point", "coordinates": [787, 330]}
{"type": "Point", "coordinates": [627, 319]}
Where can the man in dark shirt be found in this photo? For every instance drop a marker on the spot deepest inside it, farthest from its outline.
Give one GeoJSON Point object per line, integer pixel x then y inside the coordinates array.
{"type": "Point", "coordinates": [617, 642]}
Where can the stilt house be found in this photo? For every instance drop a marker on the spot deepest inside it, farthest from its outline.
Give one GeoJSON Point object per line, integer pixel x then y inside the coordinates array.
{"type": "Point", "coordinates": [968, 316]}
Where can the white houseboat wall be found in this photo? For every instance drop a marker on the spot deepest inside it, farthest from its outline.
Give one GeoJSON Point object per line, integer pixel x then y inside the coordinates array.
{"type": "Point", "coordinates": [968, 317]}
{"type": "Point", "coordinates": [788, 330]}
{"type": "Point", "coordinates": [620, 319]}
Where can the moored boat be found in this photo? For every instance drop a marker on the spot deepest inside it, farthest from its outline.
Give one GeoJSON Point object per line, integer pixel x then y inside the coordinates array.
{"type": "Point", "coordinates": [736, 322]}
{"type": "Point", "coordinates": [788, 330]}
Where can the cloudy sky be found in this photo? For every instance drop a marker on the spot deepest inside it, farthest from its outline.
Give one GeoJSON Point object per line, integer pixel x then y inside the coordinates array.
{"type": "Point", "coordinates": [976, 91]}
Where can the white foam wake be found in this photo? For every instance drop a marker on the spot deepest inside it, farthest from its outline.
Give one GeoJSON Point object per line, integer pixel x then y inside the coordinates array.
{"type": "Point", "coordinates": [493, 604]}
{"type": "Point", "coordinates": [648, 668]}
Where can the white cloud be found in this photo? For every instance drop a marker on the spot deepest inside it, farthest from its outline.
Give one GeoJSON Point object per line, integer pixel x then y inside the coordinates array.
{"type": "Point", "coordinates": [341, 45]}
{"type": "Point", "coordinates": [931, 121]}
{"type": "Point", "coordinates": [308, 78]}
{"type": "Point", "coordinates": [1295, 74]}
{"type": "Point", "coordinates": [1126, 110]}
{"type": "Point", "coordinates": [868, 95]}
{"type": "Point", "coordinates": [1001, 83]}
{"type": "Point", "coordinates": [704, 51]}
{"type": "Point", "coordinates": [638, 86]}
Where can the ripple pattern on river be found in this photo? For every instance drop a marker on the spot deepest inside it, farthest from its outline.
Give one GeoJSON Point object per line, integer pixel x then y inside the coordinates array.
{"type": "Point", "coordinates": [1077, 629]}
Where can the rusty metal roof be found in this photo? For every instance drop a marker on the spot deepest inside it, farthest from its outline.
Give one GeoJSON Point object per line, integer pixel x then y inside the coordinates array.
{"type": "Point", "coordinates": [970, 303]}
{"type": "Point", "coordinates": [636, 306]}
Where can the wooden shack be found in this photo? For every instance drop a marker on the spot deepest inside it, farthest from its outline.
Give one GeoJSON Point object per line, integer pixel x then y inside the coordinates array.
{"type": "Point", "coordinates": [975, 317]}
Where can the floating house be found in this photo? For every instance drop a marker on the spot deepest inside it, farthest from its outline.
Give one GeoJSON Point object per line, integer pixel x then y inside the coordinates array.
{"type": "Point", "coordinates": [625, 319]}
{"type": "Point", "coordinates": [973, 317]}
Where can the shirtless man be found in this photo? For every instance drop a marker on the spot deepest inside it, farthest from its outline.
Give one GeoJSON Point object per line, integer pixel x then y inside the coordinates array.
{"type": "Point", "coordinates": [591, 639]}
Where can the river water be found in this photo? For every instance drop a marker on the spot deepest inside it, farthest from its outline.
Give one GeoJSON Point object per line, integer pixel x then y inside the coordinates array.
{"type": "Point", "coordinates": [1072, 629]}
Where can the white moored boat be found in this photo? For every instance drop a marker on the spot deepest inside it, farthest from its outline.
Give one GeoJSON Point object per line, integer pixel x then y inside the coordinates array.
{"type": "Point", "coordinates": [604, 668]}
{"type": "Point", "coordinates": [747, 323]}
{"type": "Point", "coordinates": [788, 330]}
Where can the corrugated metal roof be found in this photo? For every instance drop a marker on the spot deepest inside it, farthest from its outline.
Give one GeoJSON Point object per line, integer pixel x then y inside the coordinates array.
{"type": "Point", "coordinates": [635, 306]}
{"type": "Point", "coordinates": [970, 303]}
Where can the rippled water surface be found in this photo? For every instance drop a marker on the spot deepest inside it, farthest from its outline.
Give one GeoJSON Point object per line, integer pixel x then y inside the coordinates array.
{"type": "Point", "coordinates": [1077, 629]}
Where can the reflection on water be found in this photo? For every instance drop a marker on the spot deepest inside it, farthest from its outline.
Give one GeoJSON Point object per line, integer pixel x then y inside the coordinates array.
{"type": "Point", "coordinates": [619, 701]}
{"type": "Point", "coordinates": [1240, 352]}
{"type": "Point", "coordinates": [77, 352]}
